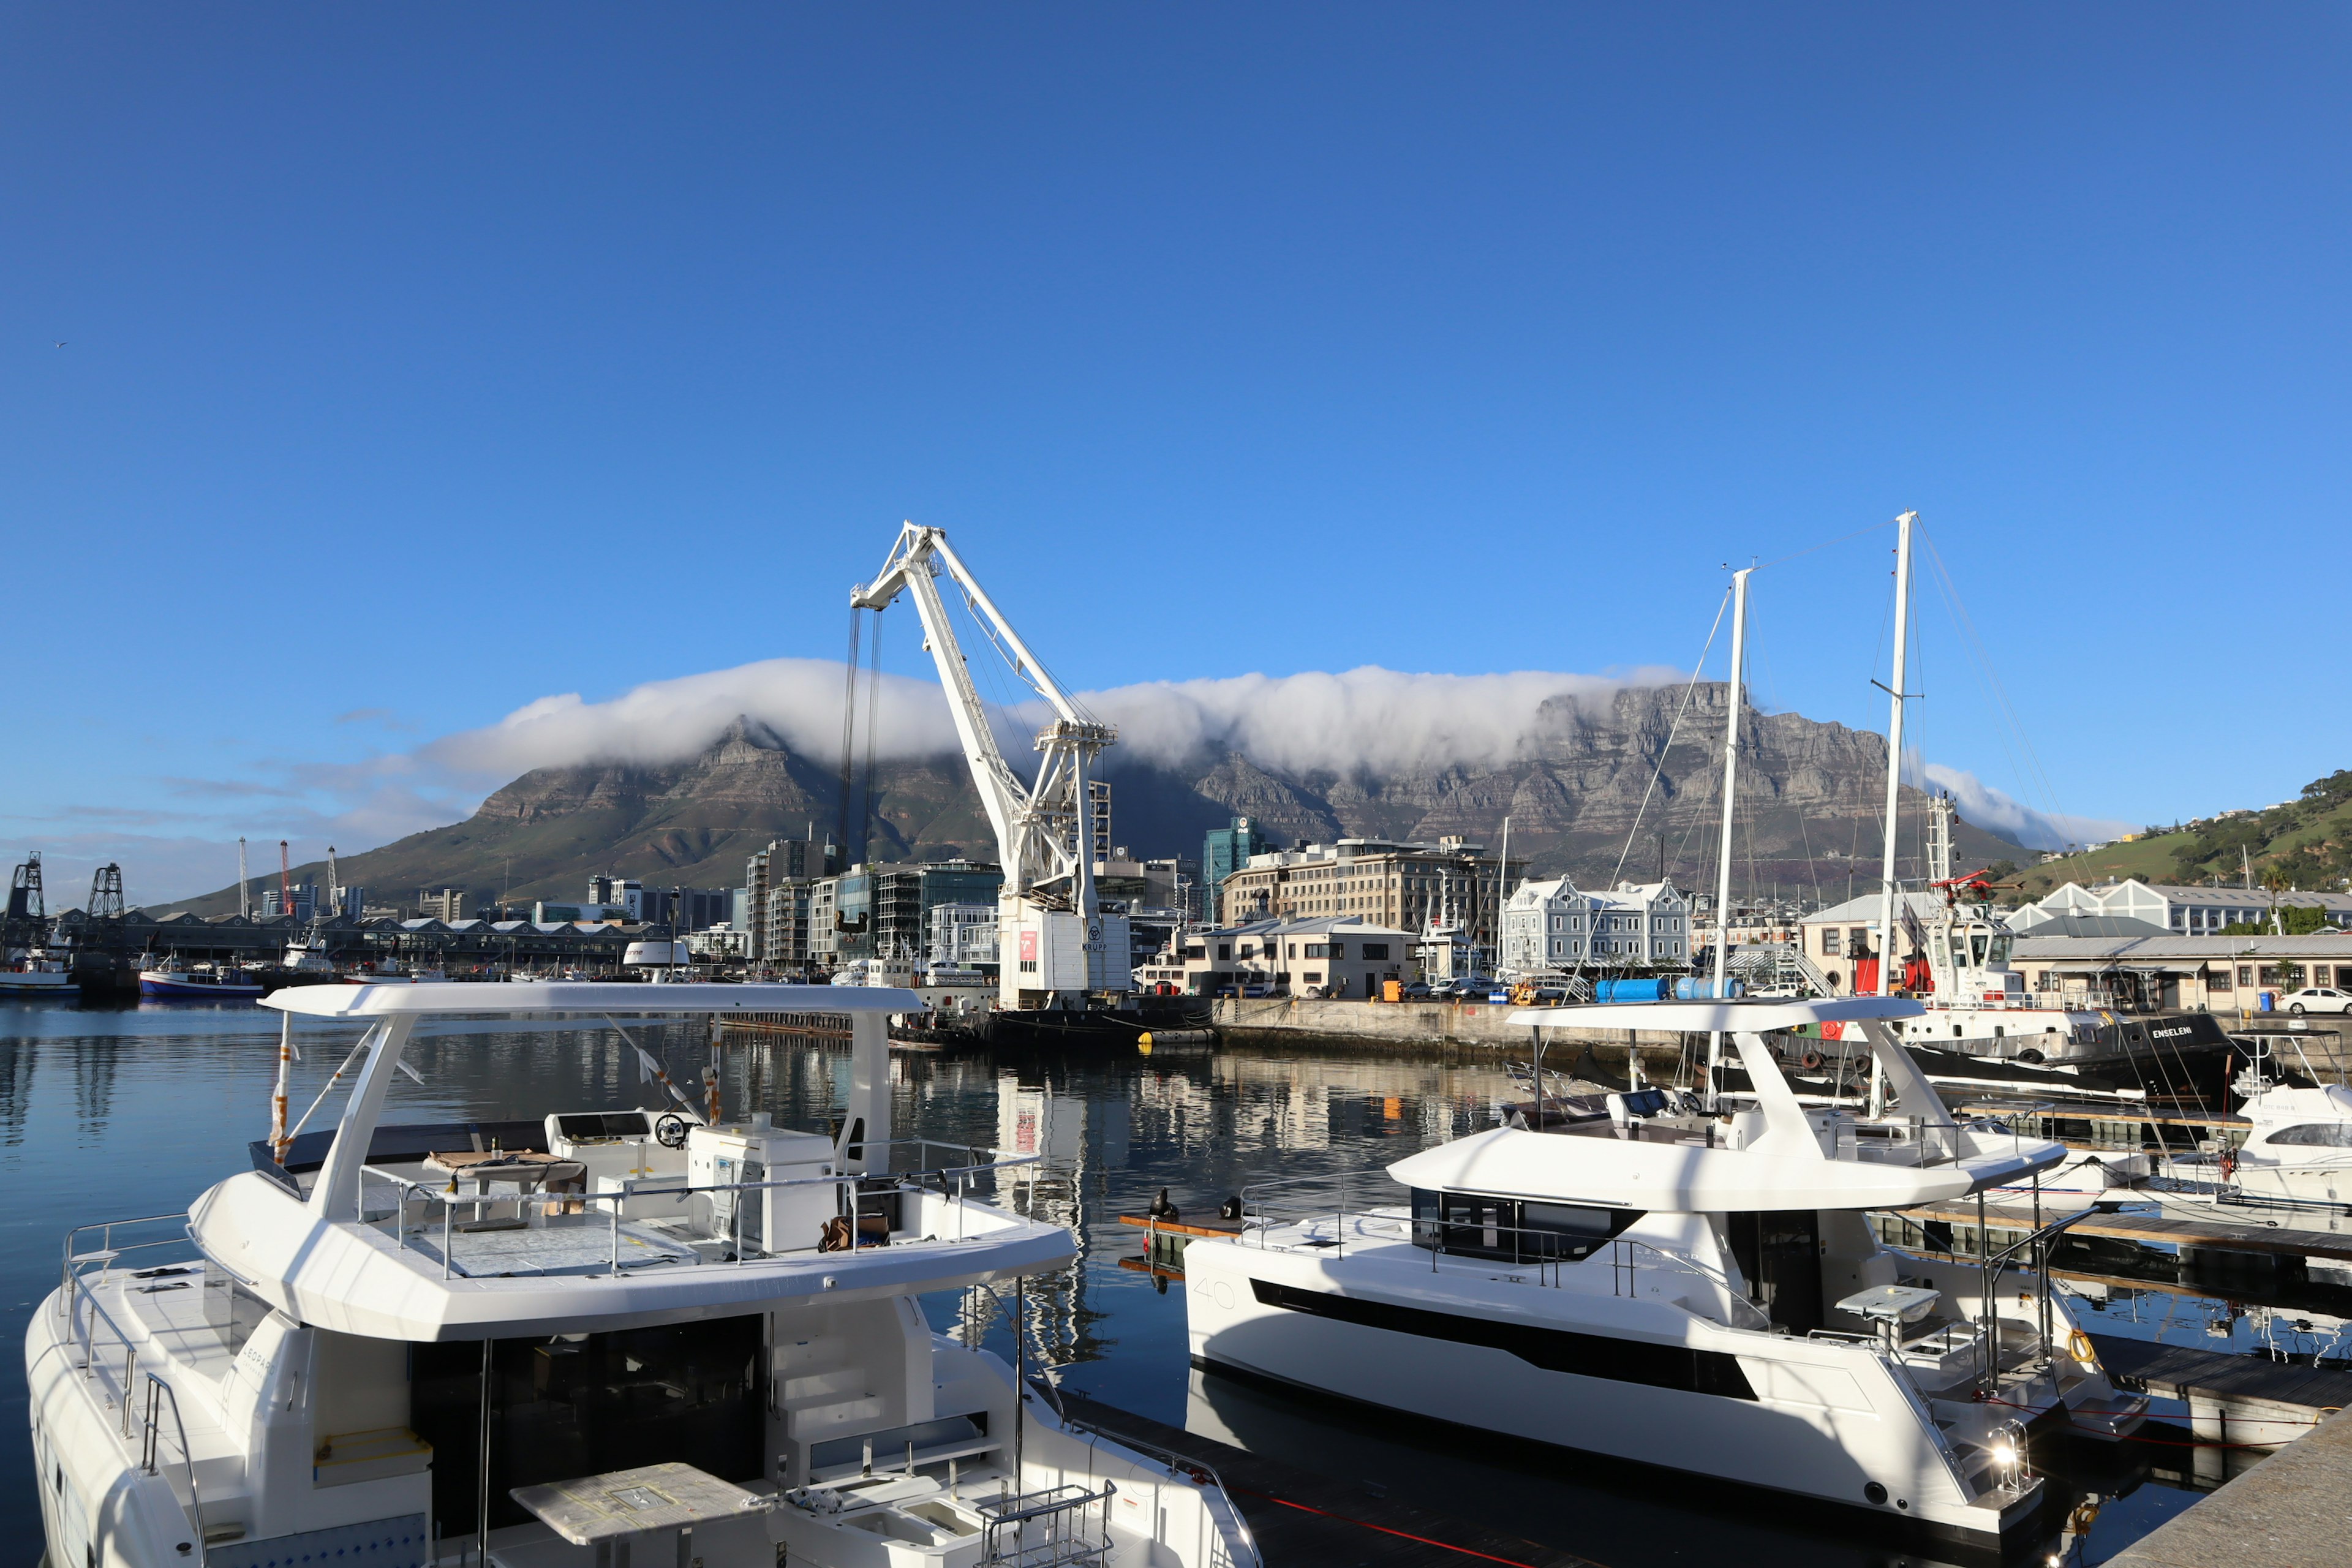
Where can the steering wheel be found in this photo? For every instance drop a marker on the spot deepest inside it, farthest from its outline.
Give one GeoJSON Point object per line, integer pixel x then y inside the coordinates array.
{"type": "Point", "coordinates": [669, 1129]}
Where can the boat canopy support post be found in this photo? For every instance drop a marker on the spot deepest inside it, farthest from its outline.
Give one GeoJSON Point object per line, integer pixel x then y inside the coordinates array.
{"type": "Point", "coordinates": [1891, 1067]}
{"type": "Point", "coordinates": [866, 1119]}
{"type": "Point", "coordinates": [1785, 1125]}
{"type": "Point", "coordinates": [336, 1195]}
{"type": "Point", "coordinates": [278, 1137]}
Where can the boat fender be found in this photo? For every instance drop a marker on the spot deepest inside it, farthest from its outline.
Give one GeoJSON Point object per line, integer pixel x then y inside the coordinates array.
{"type": "Point", "coordinates": [1810, 1060]}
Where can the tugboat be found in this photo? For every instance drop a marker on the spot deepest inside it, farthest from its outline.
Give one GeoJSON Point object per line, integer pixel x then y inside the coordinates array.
{"type": "Point", "coordinates": [556, 1341]}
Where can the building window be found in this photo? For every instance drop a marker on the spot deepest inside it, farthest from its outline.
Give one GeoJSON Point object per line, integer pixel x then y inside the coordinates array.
{"type": "Point", "coordinates": [1373, 949]}
{"type": "Point", "coordinates": [1224, 950]}
{"type": "Point", "coordinates": [2245, 974]}
{"type": "Point", "coordinates": [1829, 941]}
{"type": "Point", "coordinates": [2219, 979]}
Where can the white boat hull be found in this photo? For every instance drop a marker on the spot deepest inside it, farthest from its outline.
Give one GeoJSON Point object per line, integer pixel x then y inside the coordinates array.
{"type": "Point", "coordinates": [1820, 1419]}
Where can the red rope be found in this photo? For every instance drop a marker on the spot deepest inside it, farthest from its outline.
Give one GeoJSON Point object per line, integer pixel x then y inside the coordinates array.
{"type": "Point", "coordinates": [1384, 1530]}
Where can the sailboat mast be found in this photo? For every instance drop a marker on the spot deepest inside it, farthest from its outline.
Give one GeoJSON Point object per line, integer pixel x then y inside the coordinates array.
{"type": "Point", "coordinates": [1730, 800]}
{"type": "Point", "coordinates": [1886, 914]}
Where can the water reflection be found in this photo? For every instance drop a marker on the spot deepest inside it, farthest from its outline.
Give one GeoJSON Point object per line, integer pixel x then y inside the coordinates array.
{"type": "Point", "coordinates": [106, 1113]}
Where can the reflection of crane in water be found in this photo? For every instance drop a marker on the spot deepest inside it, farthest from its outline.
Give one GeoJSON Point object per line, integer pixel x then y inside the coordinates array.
{"type": "Point", "coordinates": [1031, 1119]}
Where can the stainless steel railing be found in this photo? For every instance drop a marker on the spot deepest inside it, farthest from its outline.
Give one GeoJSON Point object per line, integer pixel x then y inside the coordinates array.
{"type": "Point", "coordinates": [954, 1184]}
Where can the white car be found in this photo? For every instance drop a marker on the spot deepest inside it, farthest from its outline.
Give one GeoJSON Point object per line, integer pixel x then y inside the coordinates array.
{"type": "Point", "coordinates": [2318, 999]}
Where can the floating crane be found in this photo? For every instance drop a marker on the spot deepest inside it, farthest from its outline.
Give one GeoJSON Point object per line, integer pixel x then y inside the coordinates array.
{"type": "Point", "coordinates": [1056, 947]}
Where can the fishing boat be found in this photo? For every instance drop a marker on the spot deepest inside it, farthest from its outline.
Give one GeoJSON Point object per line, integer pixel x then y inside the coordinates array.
{"type": "Point", "coordinates": [1690, 1282]}
{"type": "Point", "coordinates": [35, 971]}
{"type": "Point", "coordinates": [600, 1332]}
{"type": "Point", "coordinates": [173, 979]}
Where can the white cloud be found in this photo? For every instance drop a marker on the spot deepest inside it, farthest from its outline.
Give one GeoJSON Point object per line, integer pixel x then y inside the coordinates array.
{"type": "Point", "coordinates": [1369, 716]}
{"type": "Point", "coordinates": [1988, 807]}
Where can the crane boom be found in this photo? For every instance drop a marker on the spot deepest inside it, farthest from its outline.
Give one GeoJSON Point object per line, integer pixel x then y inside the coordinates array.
{"type": "Point", "coordinates": [1055, 944]}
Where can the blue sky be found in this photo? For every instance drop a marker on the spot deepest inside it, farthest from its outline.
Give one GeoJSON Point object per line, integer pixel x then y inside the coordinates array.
{"type": "Point", "coordinates": [422, 363]}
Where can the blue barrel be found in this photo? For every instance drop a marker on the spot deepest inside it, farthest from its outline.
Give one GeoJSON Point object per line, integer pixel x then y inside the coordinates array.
{"type": "Point", "coordinates": [1694, 989]}
{"type": "Point", "coordinates": [1633, 990]}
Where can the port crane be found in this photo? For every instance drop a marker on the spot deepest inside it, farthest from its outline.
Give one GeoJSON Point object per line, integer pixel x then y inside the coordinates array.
{"type": "Point", "coordinates": [1056, 946]}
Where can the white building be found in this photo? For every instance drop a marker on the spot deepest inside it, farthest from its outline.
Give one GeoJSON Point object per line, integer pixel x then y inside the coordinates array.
{"type": "Point", "coordinates": [1331, 955]}
{"type": "Point", "coordinates": [2183, 910]}
{"type": "Point", "coordinates": [963, 936]}
{"type": "Point", "coordinates": [1554, 925]}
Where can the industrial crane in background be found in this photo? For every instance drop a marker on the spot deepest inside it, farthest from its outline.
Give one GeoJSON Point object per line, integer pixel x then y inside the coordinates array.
{"type": "Point", "coordinates": [1056, 947]}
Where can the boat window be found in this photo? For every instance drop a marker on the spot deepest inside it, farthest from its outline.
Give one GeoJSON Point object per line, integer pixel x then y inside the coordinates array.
{"type": "Point", "coordinates": [2318, 1134]}
{"type": "Point", "coordinates": [564, 1407]}
{"type": "Point", "coordinates": [1977, 939]}
{"type": "Point", "coordinates": [1472, 1224]}
{"type": "Point", "coordinates": [2003, 944]}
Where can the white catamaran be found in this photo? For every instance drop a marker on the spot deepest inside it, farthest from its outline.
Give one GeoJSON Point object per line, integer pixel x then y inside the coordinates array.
{"type": "Point", "coordinates": [547, 1342]}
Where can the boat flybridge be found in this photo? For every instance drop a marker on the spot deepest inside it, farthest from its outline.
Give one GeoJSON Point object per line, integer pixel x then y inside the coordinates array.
{"type": "Point", "coordinates": [546, 1342]}
{"type": "Point", "coordinates": [1687, 1284]}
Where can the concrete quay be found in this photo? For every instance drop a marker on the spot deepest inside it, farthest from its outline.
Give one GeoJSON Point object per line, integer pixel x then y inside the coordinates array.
{"type": "Point", "coordinates": [1373, 1025]}
{"type": "Point", "coordinates": [2292, 1510]}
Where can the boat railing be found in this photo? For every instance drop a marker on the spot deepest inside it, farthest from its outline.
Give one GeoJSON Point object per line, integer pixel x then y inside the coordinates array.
{"type": "Point", "coordinates": [1200, 1472]}
{"type": "Point", "coordinates": [953, 1183]}
{"type": "Point", "coordinates": [1627, 1260]}
{"type": "Point", "coordinates": [1304, 1200]}
{"type": "Point", "coordinates": [1050, 1528]}
{"type": "Point", "coordinates": [100, 1344]}
{"type": "Point", "coordinates": [1911, 1142]}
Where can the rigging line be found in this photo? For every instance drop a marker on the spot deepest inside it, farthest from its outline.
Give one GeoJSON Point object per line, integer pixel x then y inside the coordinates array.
{"type": "Point", "coordinates": [848, 730]}
{"type": "Point", "coordinates": [1824, 544]}
{"type": "Point", "coordinates": [873, 715]}
{"type": "Point", "coordinates": [1673, 730]}
{"type": "Point", "coordinates": [1972, 644]}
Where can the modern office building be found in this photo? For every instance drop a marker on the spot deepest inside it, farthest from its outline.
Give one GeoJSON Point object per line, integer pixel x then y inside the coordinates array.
{"type": "Point", "coordinates": [1225, 851]}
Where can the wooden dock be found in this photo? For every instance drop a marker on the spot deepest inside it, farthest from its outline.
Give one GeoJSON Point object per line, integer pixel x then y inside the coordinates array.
{"type": "Point", "coordinates": [2155, 1230]}
{"type": "Point", "coordinates": [2231, 1398]}
{"type": "Point", "coordinates": [1302, 1520]}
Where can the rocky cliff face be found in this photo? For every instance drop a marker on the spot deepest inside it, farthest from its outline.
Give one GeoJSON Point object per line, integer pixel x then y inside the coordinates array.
{"type": "Point", "coordinates": [1635, 784]}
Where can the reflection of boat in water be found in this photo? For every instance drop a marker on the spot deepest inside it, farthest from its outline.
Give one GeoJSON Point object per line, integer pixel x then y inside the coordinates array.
{"type": "Point", "coordinates": [440, 1332]}
{"type": "Point", "coordinates": [173, 979]}
{"type": "Point", "coordinates": [1700, 1291]}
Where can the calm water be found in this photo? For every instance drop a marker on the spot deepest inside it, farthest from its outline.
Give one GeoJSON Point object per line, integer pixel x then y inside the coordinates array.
{"type": "Point", "coordinates": [112, 1113]}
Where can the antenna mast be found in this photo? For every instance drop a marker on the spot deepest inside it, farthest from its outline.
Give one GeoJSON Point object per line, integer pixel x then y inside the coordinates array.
{"type": "Point", "coordinates": [285, 883]}
{"type": "Point", "coordinates": [244, 883]}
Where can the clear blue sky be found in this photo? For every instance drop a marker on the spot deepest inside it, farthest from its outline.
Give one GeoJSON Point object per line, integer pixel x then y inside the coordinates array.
{"type": "Point", "coordinates": [422, 361]}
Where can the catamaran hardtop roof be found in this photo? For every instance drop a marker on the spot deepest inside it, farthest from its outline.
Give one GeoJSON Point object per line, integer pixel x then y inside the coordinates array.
{"type": "Point", "coordinates": [1746, 1015]}
{"type": "Point", "coordinates": [592, 996]}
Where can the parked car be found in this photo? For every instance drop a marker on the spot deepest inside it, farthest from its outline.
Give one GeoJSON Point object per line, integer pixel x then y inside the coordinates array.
{"type": "Point", "coordinates": [2319, 999]}
{"type": "Point", "coordinates": [1417, 991]}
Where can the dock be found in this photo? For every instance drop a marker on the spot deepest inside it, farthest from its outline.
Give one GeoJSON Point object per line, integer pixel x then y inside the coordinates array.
{"type": "Point", "coordinates": [2234, 1401]}
{"type": "Point", "coordinates": [1163, 1247]}
{"type": "Point", "coordinates": [2292, 1510]}
{"type": "Point", "coordinates": [1302, 1520]}
{"type": "Point", "coordinates": [2253, 1236]}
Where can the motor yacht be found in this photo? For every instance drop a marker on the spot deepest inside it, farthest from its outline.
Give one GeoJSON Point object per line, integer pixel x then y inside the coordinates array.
{"type": "Point", "coordinates": [1689, 1283]}
{"type": "Point", "coordinates": [548, 1342]}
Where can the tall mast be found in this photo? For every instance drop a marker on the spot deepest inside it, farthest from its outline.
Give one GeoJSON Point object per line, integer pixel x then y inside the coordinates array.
{"type": "Point", "coordinates": [244, 883]}
{"type": "Point", "coordinates": [1886, 913]}
{"type": "Point", "coordinates": [1730, 799]}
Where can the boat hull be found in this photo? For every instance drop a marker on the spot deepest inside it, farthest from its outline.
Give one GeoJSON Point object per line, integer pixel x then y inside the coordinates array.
{"type": "Point", "coordinates": [180, 990]}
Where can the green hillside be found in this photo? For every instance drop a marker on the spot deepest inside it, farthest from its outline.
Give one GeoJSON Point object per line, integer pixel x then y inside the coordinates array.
{"type": "Point", "coordinates": [2304, 842]}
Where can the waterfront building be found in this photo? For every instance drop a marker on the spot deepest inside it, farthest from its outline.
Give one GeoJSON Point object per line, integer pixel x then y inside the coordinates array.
{"type": "Point", "coordinates": [1553, 926]}
{"type": "Point", "coordinates": [1326, 955]}
{"type": "Point", "coordinates": [2174, 906]}
{"type": "Point", "coordinates": [1404, 883]}
{"type": "Point", "coordinates": [446, 904]}
{"type": "Point", "coordinates": [963, 936]}
{"type": "Point", "coordinates": [903, 895]}
{"type": "Point", "coordinates": [1225, 851]}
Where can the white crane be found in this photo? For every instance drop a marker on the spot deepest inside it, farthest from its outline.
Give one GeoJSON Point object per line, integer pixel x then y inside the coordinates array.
{"type": "Point", "coordinates": [1055, 945]}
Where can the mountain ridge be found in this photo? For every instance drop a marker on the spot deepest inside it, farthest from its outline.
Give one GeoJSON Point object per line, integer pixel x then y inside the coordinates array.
{"type": "Point", "coordinates": [1585, 774]}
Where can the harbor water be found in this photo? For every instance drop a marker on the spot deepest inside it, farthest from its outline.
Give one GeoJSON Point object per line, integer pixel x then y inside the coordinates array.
{"type": "Point", "coordinates": [116, 1112]}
